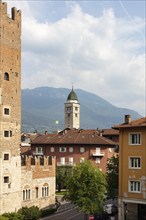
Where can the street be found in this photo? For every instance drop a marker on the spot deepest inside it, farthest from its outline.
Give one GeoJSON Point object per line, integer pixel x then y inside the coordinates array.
{"type": "Point", "coordinates": [66, 212]}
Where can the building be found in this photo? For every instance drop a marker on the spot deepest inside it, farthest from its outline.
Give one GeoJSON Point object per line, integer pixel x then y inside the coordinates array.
{"type": "Point", "coordinates": [132, 169]}
{"type": "Point", "coordinates": [72, 111]}
{"type": "Point", "coordinates": [19, 185]}
{"type": "Point", "coordinates": [72, 146]}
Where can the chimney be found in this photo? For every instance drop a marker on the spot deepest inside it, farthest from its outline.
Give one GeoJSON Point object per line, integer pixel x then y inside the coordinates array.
{"type": "Point", "coordinates": [127, 119]}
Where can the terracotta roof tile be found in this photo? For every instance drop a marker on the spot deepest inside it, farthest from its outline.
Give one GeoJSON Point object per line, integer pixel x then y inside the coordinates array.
{"type": "Point", "coordinates": [73, 137]}
{"type": "Point", "coordinates": [141, 122]}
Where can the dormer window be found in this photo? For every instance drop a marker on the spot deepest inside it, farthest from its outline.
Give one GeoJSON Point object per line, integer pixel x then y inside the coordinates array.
{"type": "Point", "coordinates": [6, 76]}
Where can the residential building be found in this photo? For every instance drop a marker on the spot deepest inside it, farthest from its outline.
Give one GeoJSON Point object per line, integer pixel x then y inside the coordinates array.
{"type": "Point", "coordinates": [72, 146]}
{"type": "Point", "coordinates": [132, 169]}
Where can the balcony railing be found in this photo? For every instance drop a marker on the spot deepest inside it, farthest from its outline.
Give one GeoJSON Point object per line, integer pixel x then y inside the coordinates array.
{"type": "Point", "coordinates": [66, 163]}
{"type": "Point", "coordinates": [38, 153]}
{"type": "Point", "coordinates": [98, 154]}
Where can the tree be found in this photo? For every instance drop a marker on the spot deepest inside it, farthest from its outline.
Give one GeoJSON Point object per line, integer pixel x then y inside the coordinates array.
{"type": "Point", "coordinates": [61, 174]}
{"type": "Point", "coordinates": [112, 176]}
{"type": "Point", "coordinates": [86, 187]}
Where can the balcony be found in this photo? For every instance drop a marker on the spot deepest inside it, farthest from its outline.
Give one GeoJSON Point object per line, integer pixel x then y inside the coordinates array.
{"type": "Point", "coordinates": [66, 163]}
{"type": "Point", "coordinates": [38, 153]}
{"type": "Point", "coordinates": [98, 154]}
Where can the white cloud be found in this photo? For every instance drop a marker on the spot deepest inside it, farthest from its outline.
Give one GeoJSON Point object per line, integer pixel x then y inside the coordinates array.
{"type": "Point", "coordinates": [103, 55]}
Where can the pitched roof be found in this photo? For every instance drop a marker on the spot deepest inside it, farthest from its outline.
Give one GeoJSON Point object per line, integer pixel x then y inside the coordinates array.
{"type": "Point", "coordinates": [141, 122]}
{"type": "Point", "coordinates": [74, 136]}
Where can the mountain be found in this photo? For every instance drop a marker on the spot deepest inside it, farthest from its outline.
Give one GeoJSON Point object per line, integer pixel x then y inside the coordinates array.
{"type": "Point", "coordinates": [42, 106]}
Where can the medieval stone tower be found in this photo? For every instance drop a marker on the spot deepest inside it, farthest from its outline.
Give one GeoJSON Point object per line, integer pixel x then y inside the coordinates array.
{"type": "Point", "coordinates": [72, 111]}
{"type": "Point", "coordinates": [10, 109]}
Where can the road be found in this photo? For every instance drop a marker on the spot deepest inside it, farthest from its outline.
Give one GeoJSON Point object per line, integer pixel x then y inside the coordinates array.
{"type": "Point", "coordinates": [66, 213]}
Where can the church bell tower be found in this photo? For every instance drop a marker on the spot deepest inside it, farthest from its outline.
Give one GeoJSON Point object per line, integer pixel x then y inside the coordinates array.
{"type": "Point", "coordinates": [72, 111]}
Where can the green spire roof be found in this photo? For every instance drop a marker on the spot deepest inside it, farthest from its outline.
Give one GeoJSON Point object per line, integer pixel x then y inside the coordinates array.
{"type": "Point", "coordinates": [72, 96]}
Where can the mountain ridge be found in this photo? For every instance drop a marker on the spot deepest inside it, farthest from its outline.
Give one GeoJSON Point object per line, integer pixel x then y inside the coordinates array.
{"type": "Point", "coordinates": [42, 106]}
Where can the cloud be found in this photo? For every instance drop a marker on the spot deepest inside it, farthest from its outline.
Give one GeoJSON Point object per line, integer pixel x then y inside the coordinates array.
{"type": "Point", "coordinates": [103, 54]}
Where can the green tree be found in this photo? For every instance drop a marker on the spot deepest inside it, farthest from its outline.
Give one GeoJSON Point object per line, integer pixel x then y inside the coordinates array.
{"type": "Point", "coordinates": [86, 187]}
{"type": "Point", "coordinates": [112, 176]}
{"type": "Point", "coordinates": [61, 174]}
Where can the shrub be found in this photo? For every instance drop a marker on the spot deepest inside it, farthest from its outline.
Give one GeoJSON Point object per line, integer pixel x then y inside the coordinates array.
{"type": "Point", "coordinates": [46, 212]}
{"type": "Point", "coordinates": [3, 218]}
{"type": "Point", "coordinates": [32, 213]}
{"type": "Point", "coordinates": [12, 216]}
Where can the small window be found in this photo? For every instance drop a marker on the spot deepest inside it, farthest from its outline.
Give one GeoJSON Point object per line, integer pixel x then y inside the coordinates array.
{"type": "Point", "coordinates": [97, 160]}
{"type": "Point", "coordinates": [52, 149]}
{"type": "Point", "coordinates": [6, 179]}
{"type": "Point", "coordinates": [6, 76]}
{"type": "Point", "coordinates": [76, 115]}
{"type": "Point", "coordinates": [76, 108]}
{"type": "Point", "coordinates": [134, 186]}
{"type": "Point", "coordinates": [36, 192]}
{"type": "Point", "coordinates": [134, 162]}
{"type": "Point", "coordinates": [135, 139]}
{"type": "Point", "coordinates": [6, 111]}
{"type": "Point", "coordinates": [71, 149]}
{"type": "Point", "coordinates": [6, 133]}
{"type": "Point", "coordinates": [82, 159]}
{"type": "Point", "coordinates": [82, 149]}
{"type": "Point", "coordinates": [6, 156]}
{"type": "Point", "coordinates": [62, 149]}
{"type": "Point", "coordinates": [68, 115]}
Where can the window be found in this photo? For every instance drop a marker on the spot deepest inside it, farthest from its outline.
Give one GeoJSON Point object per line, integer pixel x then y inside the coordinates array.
{"type": "Point", "coordinates": [6, 111]}
{"type": "Point", "coordinates": [134, 186]}
{"type": "Point", "coordinates": [71, 149]}
{"type": "Point", "coordinates": [6, 179]}
{"type": "Point", "coordinates": [62, 149]}
{"type": "Point", "coordinates": [76, 115]}
{"type": "Point", "coordinates": [6, 76]}
{"type": "Point", "coordinates": [76, 108]}
{"type": "Point", "coordinates": [39, 151]}
{"type": "Point", "coordinates": [52, 149]}
{"type": "Point", "coordinates": [97, 160]}
{"type": "Point", "coordinates": [134, 162]}
{"type": "Point", "coordinates": [135, 139]}
{"type": "Point", "coordinates": [36, 192]}
{"type": "Point", "coordinates": [82, 149]}
{"type": "Point", "coordinates": [45, 190]}
{"type": "Point", "coordinates": [68, 115]}
{"type": "Point", "coordinates": [71, 160]}
{"type": "Point", "coordinates": [62, 160]}
{"type": "Point", "coordinates": [26, 194]}
{"type": "Point", "coordinates": [6, 156]}
{"type": "Point", "coordinates": [7, 133]}
{"type": "Point", "coordinates": [82, 159]}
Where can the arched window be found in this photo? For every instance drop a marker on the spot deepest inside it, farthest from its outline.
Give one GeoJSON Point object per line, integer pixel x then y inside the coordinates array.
{"type": "Point", "coordinates": [6, 76]}
{"type": "Point", "coordinates": [26, 193]}
{"type": "Point", "coordinates": [45, 190]}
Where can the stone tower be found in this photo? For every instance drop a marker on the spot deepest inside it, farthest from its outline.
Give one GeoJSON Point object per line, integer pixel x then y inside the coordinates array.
{"type": "Point", "coordinates": [72, 111]}
{"type": "Point", "coordinates": [10, 109]}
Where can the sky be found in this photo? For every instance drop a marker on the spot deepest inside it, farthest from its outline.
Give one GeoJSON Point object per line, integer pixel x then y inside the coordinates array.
{"type": "Point", "coordinates": [97, 46]}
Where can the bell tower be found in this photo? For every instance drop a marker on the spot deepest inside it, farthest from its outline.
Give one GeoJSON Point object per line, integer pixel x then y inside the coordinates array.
{"type": "Point", "coordinates": [72, 111]}
{"type": "Point", "coordinates": [10, 109]}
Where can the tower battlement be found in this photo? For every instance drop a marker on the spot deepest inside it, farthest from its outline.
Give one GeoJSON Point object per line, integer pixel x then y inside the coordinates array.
{"type": "Point", "coordinates": [15, 14]}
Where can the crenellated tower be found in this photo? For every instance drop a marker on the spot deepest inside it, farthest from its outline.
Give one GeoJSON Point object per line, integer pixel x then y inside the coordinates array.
{"type": "Point", "coordinates": [10, 109]}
